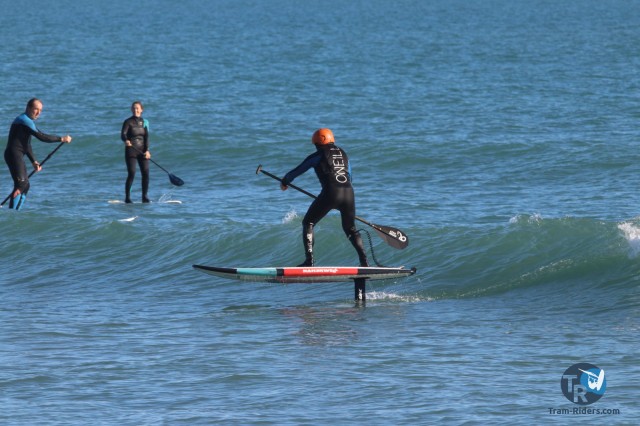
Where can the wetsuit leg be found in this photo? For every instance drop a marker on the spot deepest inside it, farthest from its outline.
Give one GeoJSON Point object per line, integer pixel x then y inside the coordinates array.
{"type": "Point", "coordinates": [131, 174]}
{"type": "Point", "coordinates": [356, 241]}
{"type": "Point", "coordinates": [347, 207]}
{"type": "Point", "coordinates": [144, 171]}
{"type": "Point", "coordinates": [317, 210]}
{"type": "Point", "coordinates": [18, 170]}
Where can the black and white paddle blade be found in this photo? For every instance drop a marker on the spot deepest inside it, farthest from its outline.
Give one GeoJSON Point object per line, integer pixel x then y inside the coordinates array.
{"type": "Point", "coordinates": [392, 236]}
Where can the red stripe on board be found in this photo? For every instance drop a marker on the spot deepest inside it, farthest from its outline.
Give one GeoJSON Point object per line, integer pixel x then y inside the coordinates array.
{"type": "Point", "coordinates": [318, 271]}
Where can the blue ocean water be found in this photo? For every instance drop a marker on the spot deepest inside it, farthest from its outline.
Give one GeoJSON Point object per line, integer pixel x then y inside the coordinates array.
{"type": "Point", "coordinates": [501, 136]}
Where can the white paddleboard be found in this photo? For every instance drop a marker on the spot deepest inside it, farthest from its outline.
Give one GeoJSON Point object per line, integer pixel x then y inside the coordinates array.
{"type": "Point", "coordinates": [152, 202]}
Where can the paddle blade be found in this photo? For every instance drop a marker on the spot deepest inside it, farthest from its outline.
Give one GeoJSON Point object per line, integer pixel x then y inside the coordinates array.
{"type": "Point", "coordinates": [175, 180]}
{"type": "Point", "coordinates": [392, 236]}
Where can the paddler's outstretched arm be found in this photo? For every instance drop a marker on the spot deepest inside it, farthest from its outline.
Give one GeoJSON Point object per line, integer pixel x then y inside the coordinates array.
{"type": "Point", "coordinates": [24, 126]}
{"type": "Point", "coordinates": [309, 162]}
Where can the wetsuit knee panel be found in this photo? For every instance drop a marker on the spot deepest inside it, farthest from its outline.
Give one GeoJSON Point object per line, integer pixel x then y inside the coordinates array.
{"type": "Point", "coordinates": [22, 185]}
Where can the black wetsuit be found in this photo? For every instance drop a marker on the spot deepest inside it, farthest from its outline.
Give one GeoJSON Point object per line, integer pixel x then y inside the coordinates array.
{"type": "Point", "coordinates": [333, 169]}
{"type": "Point", "coordinates": [19, 145]}
{"type": "Point", "coordinates": [136, 130]}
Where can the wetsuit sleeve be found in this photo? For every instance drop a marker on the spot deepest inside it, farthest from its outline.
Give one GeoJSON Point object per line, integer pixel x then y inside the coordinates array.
{"type": "Point", "coordinates": [41, 136]}
{"type": "Point", "coordinates": [46, 138]}
{"type": "Point", "coordinates": [146, 135]}
{"type": "Point", "coordinates": [33, 130]}
{"type": "Point", "coordinates": [125, 130]}
{"type": "Point", "coordinates": [29, 153]}
{"type": "Point", "coordinates": [309, 162]}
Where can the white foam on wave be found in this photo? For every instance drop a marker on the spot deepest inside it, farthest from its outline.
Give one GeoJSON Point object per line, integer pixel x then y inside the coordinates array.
{"type": "Point", "coordinates": [167, 198]}
{"type": "Point", "coordinates": [383, 295]}
{"type": "Point", "coordinates": [290, 216]}
{"type": "Point", "coordinates": [129, 219]}
{"type": "Point", "coordinates": [631, 233]}
{"type": "Point", "coordinates": [525, 218]}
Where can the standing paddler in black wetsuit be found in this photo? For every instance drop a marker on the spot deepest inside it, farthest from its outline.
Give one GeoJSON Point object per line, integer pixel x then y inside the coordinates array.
{"type": "Point", "coordinates": [19, 145]}
{"type": "Point", "coordinates": [334, 172]}
{"type": "Point", "coordinates": [135, 135]}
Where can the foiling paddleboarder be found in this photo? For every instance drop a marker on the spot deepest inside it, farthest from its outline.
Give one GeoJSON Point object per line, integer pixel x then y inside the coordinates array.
{"type": "Point", "coordinates": [333, 169]}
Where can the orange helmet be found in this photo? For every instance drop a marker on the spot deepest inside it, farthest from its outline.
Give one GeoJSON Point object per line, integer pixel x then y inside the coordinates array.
{"type": "Point", "coordinates": [322, 137]}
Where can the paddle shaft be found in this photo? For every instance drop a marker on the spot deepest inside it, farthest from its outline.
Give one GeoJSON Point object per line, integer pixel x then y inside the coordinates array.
{"type": "Point", "coordinates": [173, 178]}
{"type": "Point", "coordinates": [35, 170]}
{"type": "Point", "coordinates": [308, 193]}
{"type": "Point", "coordinates": [291, 185]}
{"type": "Point", "coordinates": [394, 237]}
{"type": "Point", "coordinates": [166, 171]}
{"type": "Point", "coordinates": [149, 159]}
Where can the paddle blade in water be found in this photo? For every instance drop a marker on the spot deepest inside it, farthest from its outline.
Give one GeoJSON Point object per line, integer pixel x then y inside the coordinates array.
{"type": "Point", "coordinates": [175, 180]}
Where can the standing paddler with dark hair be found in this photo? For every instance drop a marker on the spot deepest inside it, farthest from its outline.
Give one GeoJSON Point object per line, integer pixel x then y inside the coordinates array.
{"type": "Point", "coordinates": [135, 135]}
{"type": "Point", "coordinates": [19, 145]}
{"type": "Point", "coordinates": [332, 167]}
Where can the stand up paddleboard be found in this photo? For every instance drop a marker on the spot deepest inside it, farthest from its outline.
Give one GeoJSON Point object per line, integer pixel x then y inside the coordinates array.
{"type": "Point", "coordinates": [311, 274]}
{"type": "Point", "coordinates": [151, 202]}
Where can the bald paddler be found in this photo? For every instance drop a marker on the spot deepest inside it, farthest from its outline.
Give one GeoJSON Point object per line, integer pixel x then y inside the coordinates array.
{"type": "Point", "coordinates": [19, 145]}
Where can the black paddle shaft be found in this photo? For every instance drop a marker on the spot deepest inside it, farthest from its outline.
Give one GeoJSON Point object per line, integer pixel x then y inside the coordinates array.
{"type": "Point", "coordinates": [259, 170]}
{"type": "Point", "coordinates": [392, 236]}
{"type": "Point", "coordinates": [173, 178]}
